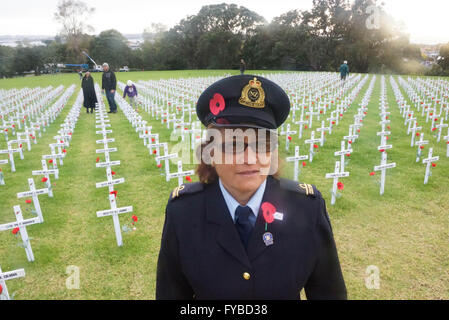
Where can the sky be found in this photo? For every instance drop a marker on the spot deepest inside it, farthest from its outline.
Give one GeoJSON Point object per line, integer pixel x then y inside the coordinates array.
{"type": "Point", "coordinates": [426, 21]}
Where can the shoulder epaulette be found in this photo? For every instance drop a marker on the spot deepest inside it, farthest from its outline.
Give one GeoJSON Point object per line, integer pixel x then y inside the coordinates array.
{"type": "Point", "coordinates": [188, 188]}
{"type": "Point", "coordinates": [307, 189]}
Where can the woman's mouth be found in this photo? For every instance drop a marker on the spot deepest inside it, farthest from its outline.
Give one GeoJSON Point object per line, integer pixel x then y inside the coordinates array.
{"type": "Point", "coordinates": [248, 173]}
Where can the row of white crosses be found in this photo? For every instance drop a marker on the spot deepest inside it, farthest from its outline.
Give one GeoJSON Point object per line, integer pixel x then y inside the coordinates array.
{"type": "Point", "coordinates": [16, 146]}
{"type": "Point", "coordinates": [14, 111]}
{"type": "Point", "coordinates": [21, 223]}
{"type": "Point", "coordinates": [155, 146]}
{"type": "Point", "coordinates": [345, 150]}
{"type": "Point", "coordinates": [431, 160]}
{"type": "Point", "coordinates": [384, 113]}
{"type": "Point", "coordinates": [102, 122]}
{"type": "Point", "coordinates": [179, 127]}
{"type": "Point", "coordinates": [333, 120]}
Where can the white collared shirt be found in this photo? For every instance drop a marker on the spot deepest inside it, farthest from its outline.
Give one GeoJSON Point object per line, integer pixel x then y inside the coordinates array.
{"type": "Point", "coordinates": [254, 203]}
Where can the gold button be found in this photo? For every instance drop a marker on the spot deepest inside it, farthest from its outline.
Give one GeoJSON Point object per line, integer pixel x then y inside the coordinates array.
{"type": "Point", "coordinates": [246, 276]}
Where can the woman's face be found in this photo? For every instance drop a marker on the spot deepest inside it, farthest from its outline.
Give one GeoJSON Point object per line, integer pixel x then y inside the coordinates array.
{"type": "Point", "coordinates": [87, 74]}
{"type": "Point", "coordinates": [243, 172]}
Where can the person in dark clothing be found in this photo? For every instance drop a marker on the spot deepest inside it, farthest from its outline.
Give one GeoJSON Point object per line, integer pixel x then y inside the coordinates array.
{"type": "Point", "coordinates": [109, 85]}
{"type": "Point", "coordinates": [242, 66]}
{"type": "Point", "coordinates": [344, 70]}
{"type": "Point", "coordinates": [90, 97]}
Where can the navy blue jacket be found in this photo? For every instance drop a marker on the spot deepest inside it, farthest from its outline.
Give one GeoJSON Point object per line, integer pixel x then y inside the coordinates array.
{"type": "Point", "coordinates": [202, 257]}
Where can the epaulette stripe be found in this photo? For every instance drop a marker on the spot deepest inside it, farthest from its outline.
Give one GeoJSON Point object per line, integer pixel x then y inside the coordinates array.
{"type": "Point", "coordinates": [307, 188]}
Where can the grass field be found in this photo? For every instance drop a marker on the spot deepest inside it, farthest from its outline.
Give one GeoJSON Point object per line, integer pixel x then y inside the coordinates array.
{"type": "Point", "coordinates": [404, 233]}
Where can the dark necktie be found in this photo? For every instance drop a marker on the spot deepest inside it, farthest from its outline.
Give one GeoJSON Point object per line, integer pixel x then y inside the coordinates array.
{"type": "Point", "coordinates": [242, 223]}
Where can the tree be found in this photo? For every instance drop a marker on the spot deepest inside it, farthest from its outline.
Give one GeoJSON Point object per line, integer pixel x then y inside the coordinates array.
{"type": "Point", "coordinates": [73, 16]}
{"type": "Point", "coordinates": [6, 61]}
{"type": "Point", "coordinates": [443, 59]}
{"type": "Point", "coordinates": [111, 46]}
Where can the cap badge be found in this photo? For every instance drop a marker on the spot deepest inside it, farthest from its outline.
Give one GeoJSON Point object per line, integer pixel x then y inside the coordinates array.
{"type": "Point", "coordinates": [253, 95]}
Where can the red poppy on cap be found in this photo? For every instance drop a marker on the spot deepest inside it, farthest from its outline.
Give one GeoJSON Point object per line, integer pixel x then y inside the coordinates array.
{"type": "Point", "coordinates": [217, 104]}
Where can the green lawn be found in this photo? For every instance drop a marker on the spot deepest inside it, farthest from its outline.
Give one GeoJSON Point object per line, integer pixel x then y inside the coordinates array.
{"type": "Point", "coordinates": [404, 233]}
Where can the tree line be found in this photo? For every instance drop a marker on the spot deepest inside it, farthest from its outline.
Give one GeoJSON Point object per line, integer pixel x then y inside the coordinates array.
{"type": "Point", "coordinates": [318, 39]}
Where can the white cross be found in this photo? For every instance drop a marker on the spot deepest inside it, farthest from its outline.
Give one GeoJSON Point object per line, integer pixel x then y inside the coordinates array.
{"type": "Point", "coordinates": [22, 224]}
{"type": "Point", "coordinates": [54, 156]}
{"type": "Point", "coordinates": [180, 174]}
{"type": "Point", "coordinates": [440, 128]}
{"type": "Point", "coordinates": [429, 161]}
{"type": "Point", "coordinates": [296, 160]}
{"type": "Point", "coordinates": [413, 131]}
{"type": "Point", "coordinates": [420, 143]}
{"type": "Point", "coordinates": [383, 167]}
{"type": "Point", "coordinates": [323, 129]}
{"type": "Point", "coordinates": [46, 172]}
{"type": "Point", "coordinates": [10, 152]}
{"type": "Point", "coordinates": [146, 135]}
{"type": "Point", "coordinates": [156, 147]}
{"type": "Point", "coordinates": [351, 136]}
{"type": "Point", "coordinates": [2, 180]}
{"type": "Point", "coordinates": [312, 142]}
{"type": "Point", "coordinates": [166, 157]}
{"type": "Point", "coordinates": [114, 212]}
{"type": "Point", "coordinates": [288, 134]}
{"type": "Point", "coordinates": [9, 275]}
{"type": "Point", "coordinates": [335, 175]}
{"type": "Point", "coordinates": [110, 183]}
{"type": "Point", "coordinates": [447, 142]}
{"type": "Point", "coordinates": [342, 153]}
{"type": "Point", "coordinates": [301, 124]}
{"type": "Point", "coordinates": [34, 194]}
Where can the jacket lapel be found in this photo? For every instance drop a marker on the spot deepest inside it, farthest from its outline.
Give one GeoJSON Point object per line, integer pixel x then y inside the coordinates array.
{"type": "Point", "coordinates": [227, 236]}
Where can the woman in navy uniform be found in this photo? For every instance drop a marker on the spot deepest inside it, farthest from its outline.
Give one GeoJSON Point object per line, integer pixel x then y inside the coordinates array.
{"type": "Point", "coordinates": [242, 232]}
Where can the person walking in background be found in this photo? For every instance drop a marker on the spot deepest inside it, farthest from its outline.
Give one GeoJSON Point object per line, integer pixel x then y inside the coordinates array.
{"type": "Point", "coordinates": [344, 70]}
{"type": "Point", "coordinates": [109, 85]}
{"type": "Point", "coordinates": [131, 92]}
{"type": "Point", "coordinates": [242, 66]}
{"type": "Point", "coordinates": [90, 98]}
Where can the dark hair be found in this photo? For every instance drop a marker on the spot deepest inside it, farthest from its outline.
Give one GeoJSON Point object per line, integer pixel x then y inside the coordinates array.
{"type": "Point", "coordinates": [207, 173]}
